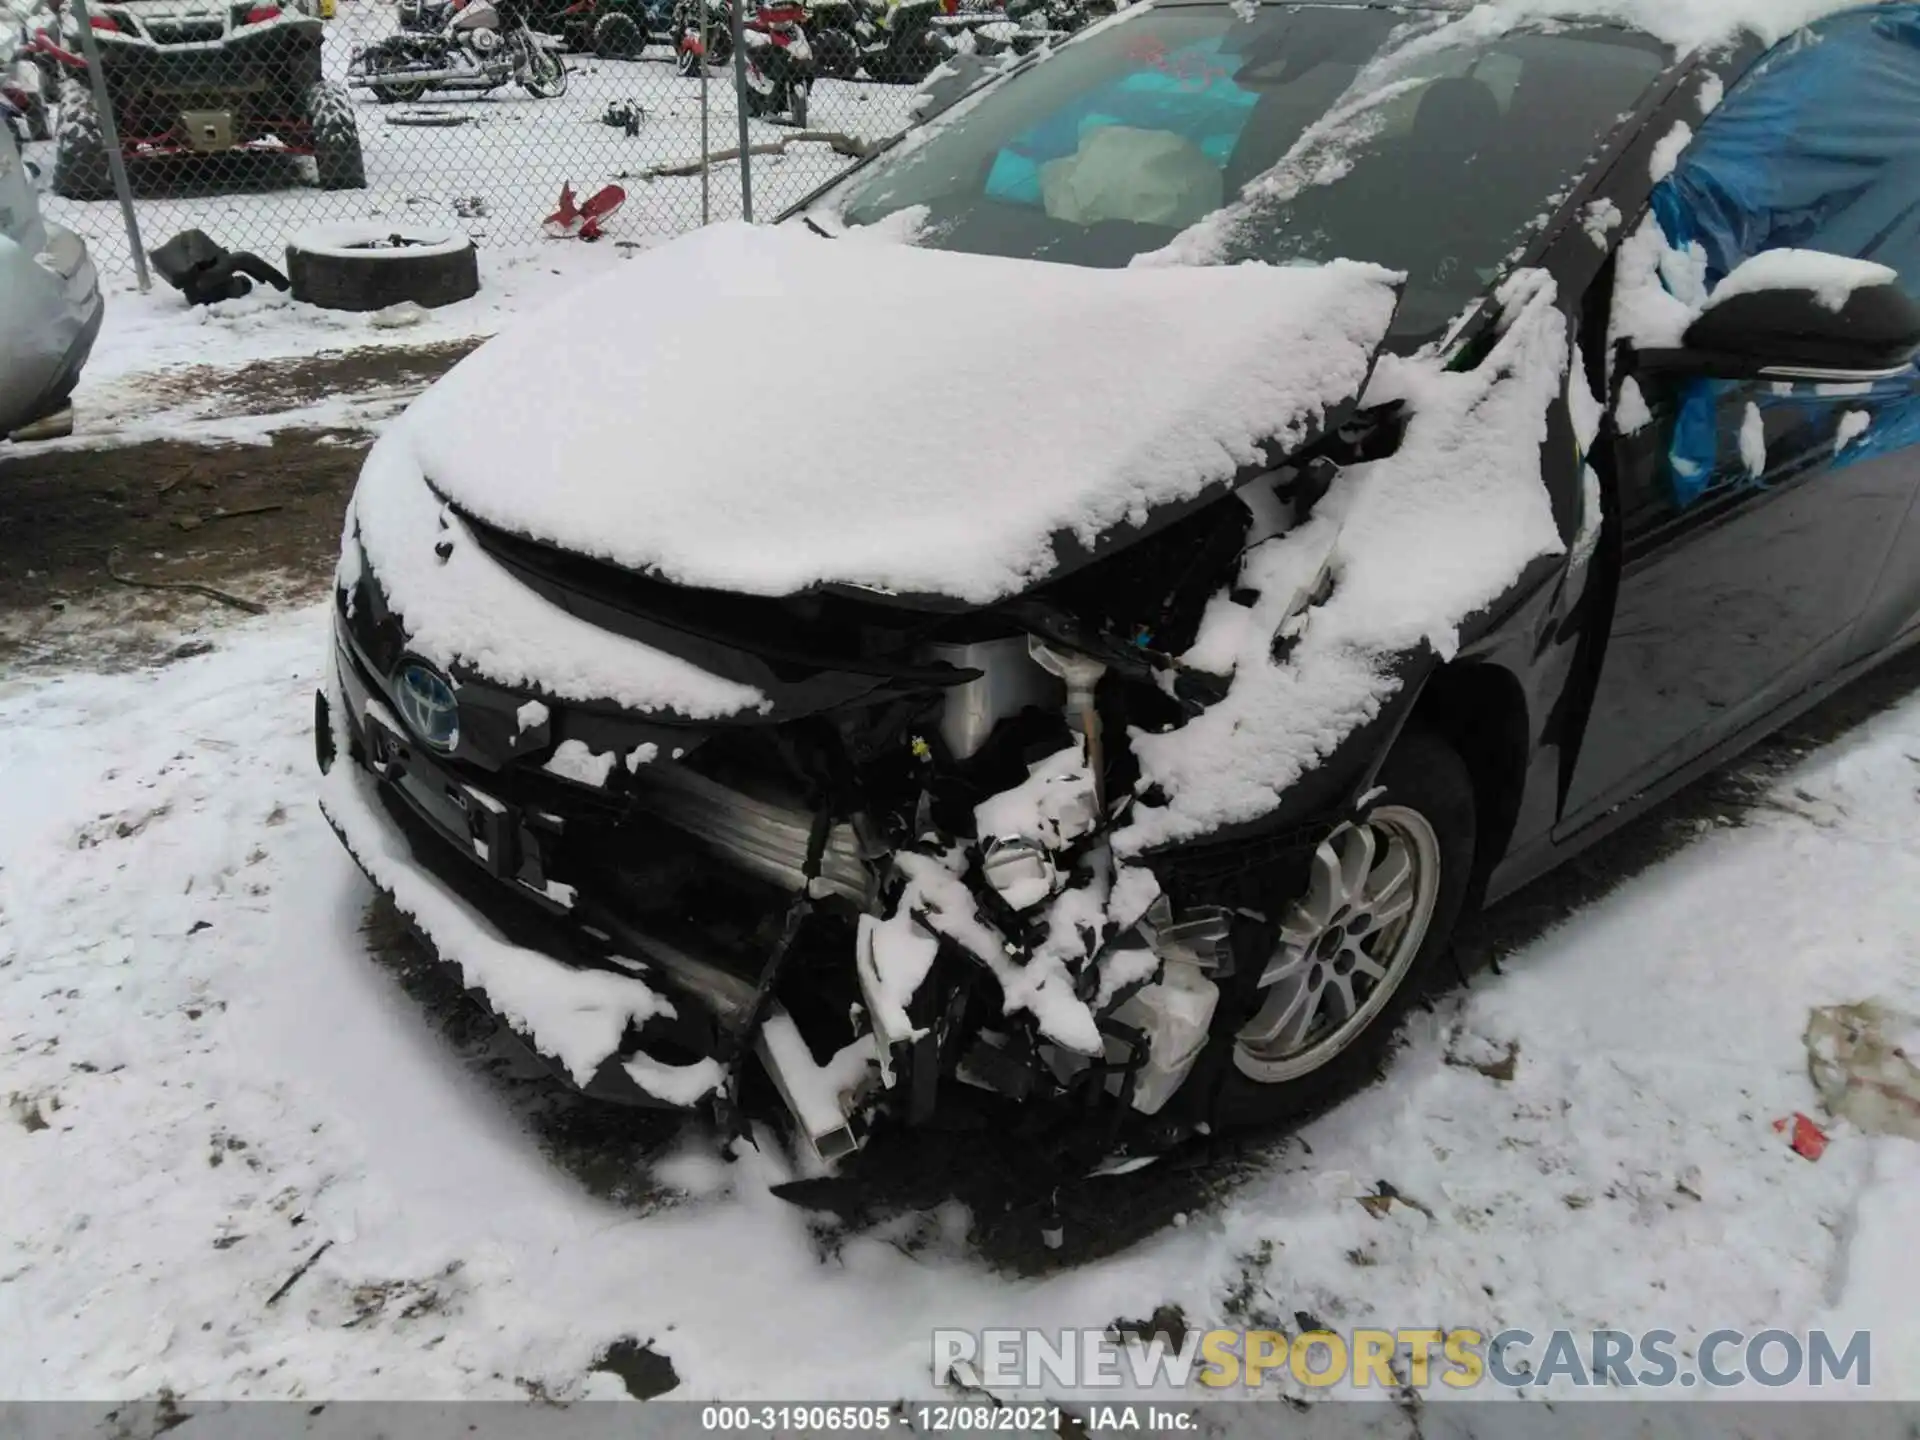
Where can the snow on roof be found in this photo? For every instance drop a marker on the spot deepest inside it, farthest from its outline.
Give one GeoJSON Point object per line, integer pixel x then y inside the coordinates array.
{"type": "Point", "coordinates": [1683, 24]}
{"type": "Point", "coordinates": [762, 410]}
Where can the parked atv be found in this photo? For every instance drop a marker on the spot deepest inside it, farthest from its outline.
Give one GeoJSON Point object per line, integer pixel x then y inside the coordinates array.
{"type": "Point", "coordinates": [897, 44]}
{"type": "Point", "coordinates": [471, 52]}
{"type": "Point", "coordinates": [194, 79]}
{"type": "Point", "coordinates": [610, 29]}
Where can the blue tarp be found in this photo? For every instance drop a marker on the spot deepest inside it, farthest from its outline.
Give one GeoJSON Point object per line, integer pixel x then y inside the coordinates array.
{"type": "Point", "coordinates": [1815, 149]}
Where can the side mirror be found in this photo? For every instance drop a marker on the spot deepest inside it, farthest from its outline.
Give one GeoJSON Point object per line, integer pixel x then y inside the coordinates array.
{"type": "Point", "coordinates": [1800, 315]}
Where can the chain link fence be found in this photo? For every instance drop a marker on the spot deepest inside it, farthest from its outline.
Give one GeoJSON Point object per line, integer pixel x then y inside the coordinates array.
{"type": "Point", "coordinates": [254, 120]}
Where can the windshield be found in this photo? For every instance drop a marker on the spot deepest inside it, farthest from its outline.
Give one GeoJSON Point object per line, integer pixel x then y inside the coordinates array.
{"type": "Point", "coordinates": [1297, 134]}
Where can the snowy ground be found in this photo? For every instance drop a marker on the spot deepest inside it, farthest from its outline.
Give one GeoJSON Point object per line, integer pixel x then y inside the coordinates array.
{"type": "Point", "coordinates": [497, 173]}
{"type": "Point", "coordinates": [211, 1083]}
{"type": "Point", "coordinates": [495, 176]}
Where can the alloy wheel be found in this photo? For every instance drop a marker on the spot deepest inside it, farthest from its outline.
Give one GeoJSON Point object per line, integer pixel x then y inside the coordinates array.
{"type": "Point", "coordinates": [1345, 946]}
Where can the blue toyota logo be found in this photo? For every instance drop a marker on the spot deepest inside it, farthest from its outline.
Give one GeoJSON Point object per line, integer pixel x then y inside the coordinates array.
{"type": "Point", "coordinates": [426, 702]}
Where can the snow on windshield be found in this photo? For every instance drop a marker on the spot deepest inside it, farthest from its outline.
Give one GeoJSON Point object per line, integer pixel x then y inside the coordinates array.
{"type": "Point", "coordinates": [916, 421]}
{"type": "Point", "coordinates": [1191, 136]}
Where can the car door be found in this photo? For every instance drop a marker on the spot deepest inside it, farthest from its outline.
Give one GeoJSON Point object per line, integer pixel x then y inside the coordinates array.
{"type": "Point", "coordinates": [1763, 520]}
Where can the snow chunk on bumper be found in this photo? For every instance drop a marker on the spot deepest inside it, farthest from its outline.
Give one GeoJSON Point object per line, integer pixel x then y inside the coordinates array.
{"type": "Point", "coordinates": [463, 607]}
{"type": "Point", "coordinates": [1022, 405]}
{"type": "Point", "coordinates": [576, 1016]}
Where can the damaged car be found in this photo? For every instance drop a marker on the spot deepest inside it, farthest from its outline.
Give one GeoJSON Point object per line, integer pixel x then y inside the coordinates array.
{"type": "Point", "coordinates": [1329, 464]}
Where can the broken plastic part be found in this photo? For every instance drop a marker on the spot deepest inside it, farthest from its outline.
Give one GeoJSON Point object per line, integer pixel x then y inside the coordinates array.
{"type": "Point", "coordinates": [1009, 681]}
{"type": "Point", "coordinates": [813, 1094]}
{"type": "Point", "coordinates": [1081, 675]}
{"type": "Point", "coordinates": [1020, 870]}
{"type": "Point", "coordinates": [1174, 1014]}
{"type": "Point", "coordinates": [1198, 937]}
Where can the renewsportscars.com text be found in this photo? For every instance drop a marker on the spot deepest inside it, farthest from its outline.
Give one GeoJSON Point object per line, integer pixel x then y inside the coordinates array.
{"type": "Point", "coordinates": [1391, 1359]}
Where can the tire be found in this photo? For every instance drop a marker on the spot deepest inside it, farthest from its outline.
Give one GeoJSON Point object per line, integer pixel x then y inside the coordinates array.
{"type": "Point", "coordinates": [835, 55]}
{"type": "Point", "coordinates": [1424, 781]}
{"type": "Point", "coordinates": [543, 75]}
{"type": "Point", "coordinates": [618, 37]}
{"type": "Point", "coordinates": [397, 94]}
{"type": "Point", "coordinates": [39, 122]}
{"type": "Point", "coordinates": [908, 65]}
{"type": "Point", "coordinates": [336, 138]}
{"type": "Point", "coordinates": [332, 267]}
{"type": "Point", "coordinates": [80, 170]}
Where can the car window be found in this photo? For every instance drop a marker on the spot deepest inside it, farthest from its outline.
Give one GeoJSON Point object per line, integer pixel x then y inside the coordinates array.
{"type": "Point", "coordinates": [1388, 143]}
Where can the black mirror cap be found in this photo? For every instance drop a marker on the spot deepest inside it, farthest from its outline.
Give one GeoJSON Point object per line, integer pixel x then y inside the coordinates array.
{"type": "Point", "coordinates": [1877, 329]}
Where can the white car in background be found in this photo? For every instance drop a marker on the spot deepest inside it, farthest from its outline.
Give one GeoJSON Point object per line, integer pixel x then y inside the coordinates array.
{"type": "Point", "coordinates": [50, 308]}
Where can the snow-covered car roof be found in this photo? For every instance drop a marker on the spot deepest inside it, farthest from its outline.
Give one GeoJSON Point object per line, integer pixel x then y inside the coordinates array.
{"type": "Point", "coordinates": [1683, 24]}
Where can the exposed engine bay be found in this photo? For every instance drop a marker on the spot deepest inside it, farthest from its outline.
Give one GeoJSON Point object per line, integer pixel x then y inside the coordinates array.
{"type": "Point", "coordinates": [899, 882]}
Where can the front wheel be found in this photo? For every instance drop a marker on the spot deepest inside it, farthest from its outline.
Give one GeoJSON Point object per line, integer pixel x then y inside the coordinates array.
{"type": "Point", "coordinates": [80, 168]}
{"type": "Point", "coordinates": [1359, 946]}
{"type": "Point", "coordinates": [541, 73]}
{"type": "Point", "coordinates": [618, 37]}
{"type": "Point", "coordinates": [835, 53]}
{"type": "Point", "coordinates": [337, 161]}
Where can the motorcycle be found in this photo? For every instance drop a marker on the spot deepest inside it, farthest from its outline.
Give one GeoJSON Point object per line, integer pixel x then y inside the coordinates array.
{"type": "Point", "coordinates": [779, 62]}
{"type": "Point", "coordinates": [23, 86]}
{"type": "Point", "coordinates": [469, 52]}
{"type": "Point", "coordinates": [898, 44]}
{"type": "Point", "coordinates": [776, 54]}
{"type": "Point", "coordinates": [689, 47]}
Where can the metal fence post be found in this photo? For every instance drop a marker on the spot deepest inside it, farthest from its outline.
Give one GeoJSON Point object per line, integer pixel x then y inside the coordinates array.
{"type": "Point", "coordinates": [706, 144]}
{"type": "Point", "coordinates": [740, 101]}
{"type": "Point", "coordinates": [110, 133]}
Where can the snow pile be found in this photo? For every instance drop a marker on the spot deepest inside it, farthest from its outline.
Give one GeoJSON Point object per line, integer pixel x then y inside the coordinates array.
{"type": "Point", "coordinates": [1021, 403]}
{"type": "Point", "coordinates": [1412, 545]}
{"type": "Point", "coordinates": [683, 1085]}
{"type": "Point", "coordinates": [462, 608]}
{"type": "Point", "coordinates": [575, 760]}
{"type": "Point", "coordinates": [1831, 278]}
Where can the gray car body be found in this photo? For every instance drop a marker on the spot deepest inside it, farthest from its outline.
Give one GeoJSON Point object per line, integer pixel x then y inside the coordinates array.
{"type": "Point", "coordinates": [50, 301]}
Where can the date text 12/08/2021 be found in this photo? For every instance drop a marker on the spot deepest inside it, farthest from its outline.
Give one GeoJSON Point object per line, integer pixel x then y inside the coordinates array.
{"type": "Point", "coordinates": [936, 1419]}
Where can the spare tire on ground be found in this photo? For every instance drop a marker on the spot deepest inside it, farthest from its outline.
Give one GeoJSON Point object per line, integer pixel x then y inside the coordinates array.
{"type": "Point", "coordinates": [368, 265]}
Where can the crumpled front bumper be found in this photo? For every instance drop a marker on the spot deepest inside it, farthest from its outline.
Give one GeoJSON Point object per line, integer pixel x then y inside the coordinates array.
{"type": "Point", "coordinates": [623, 1016]}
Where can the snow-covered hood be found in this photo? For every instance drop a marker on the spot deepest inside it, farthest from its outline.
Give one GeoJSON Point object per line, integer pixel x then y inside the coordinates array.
{"type": "Point", "coordinates": [766, 411]}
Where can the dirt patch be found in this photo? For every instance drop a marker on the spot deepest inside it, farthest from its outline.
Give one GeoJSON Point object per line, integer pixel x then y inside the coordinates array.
{"type": "Point", "coordinates": [268, 387]}
{"type": "Point", "coordinates": [642, 1369]}
{"type": "Point", "coordinates": [260, 522]}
